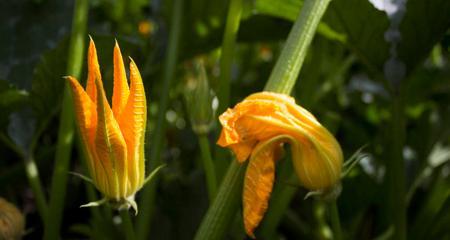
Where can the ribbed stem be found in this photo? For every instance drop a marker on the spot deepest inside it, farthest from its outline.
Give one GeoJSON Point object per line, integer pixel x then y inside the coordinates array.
{"type": "Point", "coordinates": [147, 201]}
{"type": "Point", "coordinates": [228, 47]}
{"type": "Point", "coordinates": [335, 220]}
{"type": "Point", "coordinates": [294, 52]}
{"type": "Point", "coordinates": [219, 216]}
{"type": "Point", "coordinates": [282, 80]}
{"type": "Point", "coordinates": [208, 166]}
{"type": "Point", "coordinates": [127, 224]}
{"type": "Point", "coordinates": [66, 127]}
{"type": "Point", "coordinates": [395, 170]}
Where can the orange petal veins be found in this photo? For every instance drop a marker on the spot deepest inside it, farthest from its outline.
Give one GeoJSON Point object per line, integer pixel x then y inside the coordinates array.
{"type": "Point", "coordinates": [86, 116]}
{"type": "Point", "coordinates": [256, 126]}
{"type": "Point", "coordinates": [133, 123]}
{"type": "Point", "coordinates": [93, 71]}
{"type": "Point", "coordinates": [120, 90]}
{"type": "Point", "coordinates": [258, 184]}
{"type": "Point", "coordinates": [110, 147]}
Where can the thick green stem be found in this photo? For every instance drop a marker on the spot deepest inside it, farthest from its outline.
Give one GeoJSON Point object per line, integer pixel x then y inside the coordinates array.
{"type": "Point", "coordinates": [395, 170]}
{"type": "Point", "coordinates": [219, 216]}
{"type": "Point", "coordinates": [335, 220]}
{"type": "Point", "coordinates": [127, 224]}
{"type": "Point", "coordinates": [282, 80]}
{"type": "Point", "coordinates": [294, 52]}
{"type": "Point", "coordinates": [147, 201]}
{"type": "Point", "coordinates": [208, 166]}
{"type": "Point", "coordinates": [66, 127]}
{"type": "Point", "coordinates": [228, 47]}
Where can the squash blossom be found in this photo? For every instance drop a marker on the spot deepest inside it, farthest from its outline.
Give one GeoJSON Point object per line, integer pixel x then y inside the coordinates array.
{"type": "Point", "coordinates": [257, 127]}
{"type": "Point", "coordinates": [113, 138]}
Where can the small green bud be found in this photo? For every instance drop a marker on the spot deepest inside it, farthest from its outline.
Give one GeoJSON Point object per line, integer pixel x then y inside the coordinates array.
{"type": "Point", "coordinates": [199, 97]}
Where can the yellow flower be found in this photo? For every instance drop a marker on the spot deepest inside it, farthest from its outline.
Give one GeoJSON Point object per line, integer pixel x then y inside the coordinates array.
{"type": "Point", "coordinates": [257, 127]}
{"type": "Point", "coordinates": [113, 139]}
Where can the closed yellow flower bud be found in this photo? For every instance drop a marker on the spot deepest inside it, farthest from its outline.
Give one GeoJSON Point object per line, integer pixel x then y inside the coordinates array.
{"type": "Point", "coordinates": [113, 138]}
{"type": "Point", "coordinates": [12, 223]}
{"type": "Point", "coordinates": [257, 127]}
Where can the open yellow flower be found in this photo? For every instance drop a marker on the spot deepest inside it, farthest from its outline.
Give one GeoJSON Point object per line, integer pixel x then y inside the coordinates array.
{"type": "Point", "coordinates": [113, 138]}
{"type": "Point", "coordinates": [257, 127]}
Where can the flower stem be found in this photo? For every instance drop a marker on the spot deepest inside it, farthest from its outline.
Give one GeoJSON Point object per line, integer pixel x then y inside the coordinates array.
{"type": "Point", "coordinates": [32, 175]}
{"type": "Point", "coordinates": [127, 224]}
{"type": "Point", "coordinates": [335, 221]}
{"type": "Point", "coordinates": [66, 128]}
{"type": "Point", "coordinates": [219, 216]}
{"type": "Point", "coordinates": [228, 46]}
{"type": "Point", "coordinates": [35, 183]}
{"type": "Point", "coordinates": [395, 169]}
{"type": "Point", "coordinates": [147, 201]}
{"type": "Point", "coordinates": [282, 80]}
{"type": "Point", "coordinates": [208, 165]}
{"type": "Point", "coordinates": [287, 68]}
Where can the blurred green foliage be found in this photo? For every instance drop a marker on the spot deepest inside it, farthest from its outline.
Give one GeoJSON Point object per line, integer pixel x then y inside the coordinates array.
{"type": "Point", "coordinates": [342, 83]}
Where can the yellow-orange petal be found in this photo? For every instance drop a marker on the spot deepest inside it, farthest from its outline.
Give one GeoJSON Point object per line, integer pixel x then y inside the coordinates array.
{"type": "Point", "coordinates": [258, 183]}
{"type": "Point", "coordinates": [132, 124]}
{"type": "Point", "coordinates": [86, 115]}
{"type": "Point", "coordinates": [93, 71]}
{"type": "Point", "coordinates": [318, 165]}
{"type": "Point", "coordinates": [120, 90]}
{"type": "Point", "coordinates": [110, 147]}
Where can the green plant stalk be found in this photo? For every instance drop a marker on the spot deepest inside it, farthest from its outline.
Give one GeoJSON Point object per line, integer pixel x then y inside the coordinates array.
{"type": "Point", "coordinates": [228, 47]}
{"type": "Point", "coordinates": [35, 183]}
{"type": "Point", "coordinates": [148, 193]}
{"type": "Point", "coordinates": [66, 128]}
{"type": "Point", "coordinates": [127, 224]}
{"type": "Point", "coordinates": [395, 170]}
{"type": "Point", "coordinates": [32, 173]}
{"type": "Point", "coordinates": [221, 214]}
{"type": "Point", "coordinates": [226, 60]}
{"type": "Point", "coordinates": [208, 166]}
{"type": "Point", "coordinates": [282, 80]}
{"type": "Point", "coordinates": [300, 37]}
{"type": "Point", "coordinates": [335, 220]}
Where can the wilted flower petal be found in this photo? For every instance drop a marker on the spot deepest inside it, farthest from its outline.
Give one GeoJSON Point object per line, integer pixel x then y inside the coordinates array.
{"type": "Point", "coordinates": [257, 127]}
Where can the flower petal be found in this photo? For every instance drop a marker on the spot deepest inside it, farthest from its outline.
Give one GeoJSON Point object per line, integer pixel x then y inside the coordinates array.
{"type": "Point", "coordinates": [258, 183]}
{"type": "Point", "coordinates": [93, 71]}
{"type": "Point", "coordinates": [132, 124]}
{"type": "Point", "coordinates": [86, 115]}
{"type": "Point", "coordinates": [120, 90]}
{"type": "Point", "coordinates": [318, 166]}
{"type": "Point", "coordinates": [111, 147]}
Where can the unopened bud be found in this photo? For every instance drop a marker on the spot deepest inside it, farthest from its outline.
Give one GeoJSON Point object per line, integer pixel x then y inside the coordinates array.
{"type": "Point", "coordinates": [12, 223]}
{"type": "Point", "coordinates": [199, 97]}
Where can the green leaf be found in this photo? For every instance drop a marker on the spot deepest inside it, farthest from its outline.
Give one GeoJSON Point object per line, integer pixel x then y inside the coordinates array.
{"type": "Point", "coordinates": [48, 85]}
{"type": "Point", "coordinates": [424, 23]}
{"type": "Point", "coordinates": [11, 99]}
{"type": "Point", "coordinates": [289, 10]}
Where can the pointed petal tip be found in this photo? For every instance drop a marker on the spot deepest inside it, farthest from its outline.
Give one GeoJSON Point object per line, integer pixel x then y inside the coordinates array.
{"type": "Point", "coordinates": [250, 233]}
{"type": "Point", "coordinates": [70, 79]}
{"type": "Point", "coordinates": [91, 41]}
{"type": "Point", "coordinates": [67, 77]}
